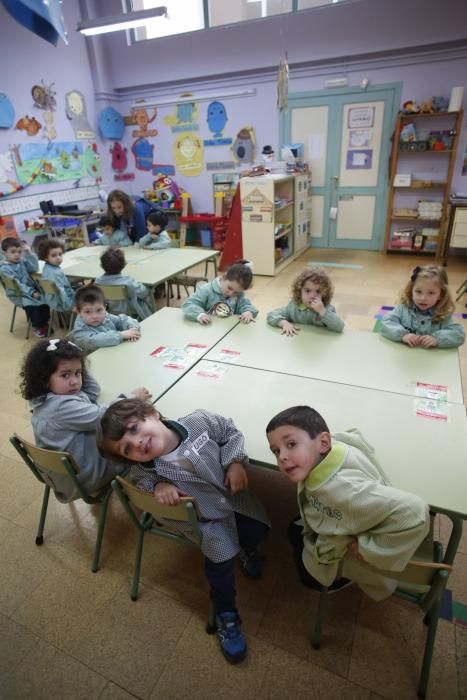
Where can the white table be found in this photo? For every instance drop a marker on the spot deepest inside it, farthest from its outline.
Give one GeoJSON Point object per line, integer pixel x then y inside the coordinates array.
{"type": "Point", "coordinates": [359, 358]}
{"type": "Point", "coordinates": [124, 367]}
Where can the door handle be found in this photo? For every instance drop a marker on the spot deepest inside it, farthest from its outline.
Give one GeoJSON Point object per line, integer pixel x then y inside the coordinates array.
{"type": "Point", "coordinates": [335, 178]}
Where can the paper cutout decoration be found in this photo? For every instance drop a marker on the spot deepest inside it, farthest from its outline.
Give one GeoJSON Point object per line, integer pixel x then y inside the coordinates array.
{"type": "Point", "coordinates": [49, 127]}
{"type": "Point", "coordinates": [119, 157]}
{"type": "Point", "coordinates": [111, 123]}
{"type": "Point", "coordinates": [7, 170]}
{"type": "Point", "coordinates": [32, 177]}
{"type": "Point", "coordinates": [60, 160]}
{"type": "Point", "coordinates": [142, 119]}
{"type": "Point", "coordinates": [44, 96]}
{"type": "Point", "coordinates": [75, 109]}
{"type": "Point", "coordinates": [217, 118]}
{"type": "Point", "coordinates": [42, 18]}
{"type": "Point", "coordinates": [243, 148]}
{"type": "Point", "coordinates": [28, 124]}
{"type": "Point", "coordinates": [283, 84]}
{"type": "Point", "coordinates": [7, 113]}
{"type": "Point", "coordinates": [184, 119]}
{"type": "Point", "coordinates": [143, 153]}
{"type": "Point", "coordinates": [188, 154]}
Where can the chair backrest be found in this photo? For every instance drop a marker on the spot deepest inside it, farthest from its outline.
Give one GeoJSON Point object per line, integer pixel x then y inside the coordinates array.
{"type": "Point", "coordinates": [148, 504]}
{"type": "Point", "coordinates": [114, 292]}
{"type": "Point", "coordinates": [11, 284]}
{"type": "Point", "coordinates": [48, 287]}
{"type": "Point", "coordinates": [51, 460]}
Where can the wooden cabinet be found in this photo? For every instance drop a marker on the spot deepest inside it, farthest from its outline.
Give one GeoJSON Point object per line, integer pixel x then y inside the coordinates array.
{"type": "Point", "coordinates": [275, 220]}
{"type": "Point", "coordinates": [420, 181]}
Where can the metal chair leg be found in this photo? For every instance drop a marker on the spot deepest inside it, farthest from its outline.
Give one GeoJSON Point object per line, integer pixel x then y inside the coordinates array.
{"type": "Point", "coordinates": [100, 531]}
{"type": "Point", "coordinates": [428, 653]}
{"type": "Point", "coordinates": [45, 503]}
{"type": "Point", "coordinates": [13, 318]}
{"type": "Point", "coordinates": [137, 569]}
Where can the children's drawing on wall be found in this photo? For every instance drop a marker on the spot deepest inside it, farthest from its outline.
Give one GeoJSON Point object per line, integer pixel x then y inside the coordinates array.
{"type": "Point", "coordinates": [142, 119]}
{"type": "Point", "coordinates": [120, 162]}
{"type": "Point", "coordinates": [75, 109]}
{"type": "Point", "coordinates": [358, 138]}
{"type": "Point", "coordinates": [143, 154]}
{"type": "Point", "coordinates": [7, 171]}
{"type": "Point", "coordinates": [60, 160]}
{"type": "Point", "coordinates": [359, 160]}
{"type": "Point", "coordinates": [28, 124]}
{"type": "Point", "coordinates": [217, 119]}
{"type": "Point", "coordinates": [110, 123]}
{"type": "Point", "coordinates": [188, 154]}
{"type": "Point", "coordinates": [184, 119]}
{"type": "Point", "coordinates": [50, 132]}
{"type": "Point", "coordinates": [7, 113]}
{"type": "Point", "coordinates": [243, 148]}
{"type": "Point", "coordinates": [44, 96]}
{"type": "Point", "coordinates": [15, 159]}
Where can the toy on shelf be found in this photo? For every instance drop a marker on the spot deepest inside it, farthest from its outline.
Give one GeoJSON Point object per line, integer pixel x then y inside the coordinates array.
{"type": "Point", "coordinates": [165, 193]}
{"type": "Point", "coordinates": [410, 107]}
{"type": "Point", "coordinates": [439, 103]}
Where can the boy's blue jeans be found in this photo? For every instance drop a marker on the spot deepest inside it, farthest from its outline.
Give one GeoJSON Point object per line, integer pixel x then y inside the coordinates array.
{"type": "Point", "coordinates": [221, 575]}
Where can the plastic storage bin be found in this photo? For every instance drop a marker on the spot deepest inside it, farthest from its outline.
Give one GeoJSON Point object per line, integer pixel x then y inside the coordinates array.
{"type": "Point", "coordinates": [206, 237]}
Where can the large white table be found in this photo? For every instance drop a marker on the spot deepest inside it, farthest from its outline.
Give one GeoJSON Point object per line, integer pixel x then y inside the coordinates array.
{"type": "Point", "coordinates": [421, 455]}
{"type": "Point", "coordinates": [124, 367]}
{"type": "Point", "coordinates": [359, 358]}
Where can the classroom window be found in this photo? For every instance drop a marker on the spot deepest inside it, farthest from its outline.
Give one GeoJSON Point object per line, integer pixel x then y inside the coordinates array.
{"type": "Point", "coordinates": [221, 12]}
{"type": "Point", "coordinates": [307, 4]}
{"type": "Point", "coordinates": [183, 17]}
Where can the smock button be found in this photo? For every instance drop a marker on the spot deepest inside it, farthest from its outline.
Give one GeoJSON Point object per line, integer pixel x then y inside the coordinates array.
{"type": "Point", "coordinates": [187, 453]}
{"type": "Point", "coordinates": [222, 499]}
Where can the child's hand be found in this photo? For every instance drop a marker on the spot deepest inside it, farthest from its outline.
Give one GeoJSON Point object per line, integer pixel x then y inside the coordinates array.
{"type": "Point", "coordinates": [131, 334]}
{"type": "Point", "coordinates": [246, 317]}
{"type": "Point", "coordinates": [167, 494]}
{"type": "Point", "coordinates": [141, 393]}
{"type": "Point", "coordinates": [204, 319]}
{"type": "Point", "coordinates": [26, 247]}
{"type": "Point", "coordinates": [317, 305]}
{"type": "Point", "coordinates": [288, 328]}
{"type": "Point", "coordinates": [411, 340]}
{"type": "Point", "coordinates": [428, 341]}
{"type": "Point", "coordinates": [36, 295]}
{"type": "Point", "coordinates": [236, 478]}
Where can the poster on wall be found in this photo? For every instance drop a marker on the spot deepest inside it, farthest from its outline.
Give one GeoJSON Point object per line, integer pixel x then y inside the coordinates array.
{"type": "Point", "coordinates": [358, 138]}
{"type": "Point", "coordinates": [188, 154]}
{"type": "Point", "coordinates": [361, 117]}
{"type": "Point", "coordinates": [216, 120]}
{"type": "Point", "coordinates": [359, 160]}
{"type": "Point", "coordinates": [58, 160]}
{"type": "Point", "coordinates": [184, 119]}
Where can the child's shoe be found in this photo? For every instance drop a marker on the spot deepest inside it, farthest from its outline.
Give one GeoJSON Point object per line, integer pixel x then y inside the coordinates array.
{"type": "Point", "coordinates": [250, 563]}
{"type": "Point", "coordinates": [40, 332]}
{"type": "Point", "coordinates": [231, 639]}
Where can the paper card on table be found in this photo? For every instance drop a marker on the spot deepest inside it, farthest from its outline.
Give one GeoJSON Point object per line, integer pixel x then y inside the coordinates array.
{"type": "Point", "coordinates": [226, 355]}
{"type": "Point", "coordinates": [437, 392]}
{"type": "Point", "coordinates": [158, 351]}
{"type": "Point", "coordinates": [214, 371]}
{"type": "Point", "coordinates": [195, 349]}
{"type": "Point", "coordinates": [434, 410]}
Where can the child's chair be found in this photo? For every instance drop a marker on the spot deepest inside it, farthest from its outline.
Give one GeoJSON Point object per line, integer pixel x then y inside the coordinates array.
{"type": "Point", "coordinates": [65, 318]}
{"type": "Point", "coordinates": [120, 292]}
{"type": "Point", "coordinates": [13, 286]}
{"type": "Point", "coordinates": [422, 582]}
{"type": "Point", "coordinates": [157, 519]}
{"type": "Point", "coordinates": [37, 458]}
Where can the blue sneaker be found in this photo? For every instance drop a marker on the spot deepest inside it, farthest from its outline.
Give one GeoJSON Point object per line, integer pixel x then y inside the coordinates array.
{"type": "Point", "coordinates": [231, 639]}
{"type": "Point", "coordinates": [250, 563]}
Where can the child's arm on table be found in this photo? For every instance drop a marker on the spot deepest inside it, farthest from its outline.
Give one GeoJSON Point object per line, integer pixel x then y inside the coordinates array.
{"type": "Point", "coordinates": [451, 334]}
{"type": "Point", "coordinates": [281, 318]}
{"type": "Point", "coordinates": [195, 306]}
{"type": "Point", "coordinates": [392, 328]}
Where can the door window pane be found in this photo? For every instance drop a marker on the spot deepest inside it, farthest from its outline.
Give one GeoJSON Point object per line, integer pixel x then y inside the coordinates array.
{"type": "Point", "coordinates": [222, 12]}
{"type": "Point", "coordinates": [183, 17]}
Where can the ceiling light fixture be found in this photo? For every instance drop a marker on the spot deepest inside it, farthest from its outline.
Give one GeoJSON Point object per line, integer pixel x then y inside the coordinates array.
{"type": "Point", "coordinates": [130, 20]}
{"type": "Point", "coordinates": [186, 97]}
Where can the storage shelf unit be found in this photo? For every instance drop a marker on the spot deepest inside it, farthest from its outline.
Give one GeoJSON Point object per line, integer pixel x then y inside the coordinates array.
{"type": "Point", "coordinates": [275, 220]}
{"type": "Point", "coordinates": [405, 162]}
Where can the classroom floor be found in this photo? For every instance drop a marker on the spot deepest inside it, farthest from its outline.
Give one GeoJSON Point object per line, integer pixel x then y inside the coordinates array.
{"type": "Point", "coordinates": [68, 633]}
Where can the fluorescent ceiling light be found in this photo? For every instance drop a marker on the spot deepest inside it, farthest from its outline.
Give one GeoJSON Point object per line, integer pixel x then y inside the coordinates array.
{"type": "Point", "coordinates": [104, 25]}
{"type": "Point", "coordinates": [154, 102]}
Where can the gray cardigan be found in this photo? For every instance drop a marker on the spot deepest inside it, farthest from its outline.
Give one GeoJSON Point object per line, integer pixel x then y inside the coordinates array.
{"type": "Point", "coordinates": [107, 334]}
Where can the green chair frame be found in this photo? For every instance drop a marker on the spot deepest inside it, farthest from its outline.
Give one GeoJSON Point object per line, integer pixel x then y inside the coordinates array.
{"type": "Point", "coordinates": [66, 318]}
{"type": "Point", "coordinates": [37, 458]}
{"type": "Point", "coordinates": [461, 290]}
{"type": "Point", "coordinates": [422, 582]}
{"type": "Point", "coordinates": [119, 292]}
{"type": "Point", "coordinates": [11, 284]}
{"type": "Point", "coordinates": [156, 520]}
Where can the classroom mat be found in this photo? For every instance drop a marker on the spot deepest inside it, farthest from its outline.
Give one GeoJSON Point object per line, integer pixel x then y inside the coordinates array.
{"type": "Point", "coordinates": [319, 263]}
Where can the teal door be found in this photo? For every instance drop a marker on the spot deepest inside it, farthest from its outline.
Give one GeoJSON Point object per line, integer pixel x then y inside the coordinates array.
{"type": "Point", "coordinates": [346, 137]}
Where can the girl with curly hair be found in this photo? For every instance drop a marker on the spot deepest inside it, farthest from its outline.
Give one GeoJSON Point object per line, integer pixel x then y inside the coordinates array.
{"type": "Point", "coordinates": [312, 292]}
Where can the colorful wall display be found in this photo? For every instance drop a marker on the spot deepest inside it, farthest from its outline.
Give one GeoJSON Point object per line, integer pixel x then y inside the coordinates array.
{"type": "Point", "coordinates": [184, 119]}
{"type": "Point", "coordinates": [75, 109]}
{"type": "Point", "coordinates": [243, 148]}
{"type": "Point", "coordinates": [7, 113]}
{"type": "Point", "coordinates": [110, 123]}
{"type": "Point", "coordinates": [58, 160]}
{"type": "Point", "coordinates": [188, 154]}
{"type": "Point", "coordinates": [217, 119]}
{"type": "Point", "coordinates": [143, 154]}
{"type": "Point", "coordinates": [142, 119]}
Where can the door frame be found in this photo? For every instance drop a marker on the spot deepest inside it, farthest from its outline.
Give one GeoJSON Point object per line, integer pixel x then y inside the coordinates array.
{"type": "Point", "coordinates": [393, 93]}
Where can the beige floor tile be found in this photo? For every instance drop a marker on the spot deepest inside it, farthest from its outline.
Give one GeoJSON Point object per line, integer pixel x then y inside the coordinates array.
{"type": "Point", "coordinates": [461, 652]}
{"type": "Point", "coordinates": [387, 652]}
{"type": "Point", "coordinates": [458, 579]}
{"type": "Point", "coordinates": [289, 676]}
{"type": "Point", "coordinates": [114, 692]}
{"type": "Point", "coordinates": [197, 670]}
{"type": "Point", "coordinates": [14, 500]}
{"type": "Point", "coordinates": [131, 642]}
{"type": "Point", "coordinates": [445, 532]}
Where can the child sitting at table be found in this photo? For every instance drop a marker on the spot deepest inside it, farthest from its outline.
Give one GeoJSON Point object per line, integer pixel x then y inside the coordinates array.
{"type": "Point", "coordinates": [63, 399]}
{"type": "Point", "coordinates": [200, 455]}
{"type": "Point", "coordinates": [223, 296]}
{"type": "Point", "coordinates": [156, 237]}
{"type": "Point", "coordinates": [18, 264]}
{"type": "Point", "coordinates": [349, 512]}
{"type": "Point", "coordinates": [423, 318]}
{"type": "Point", "coordinates": [312, 292]}
{"type": "Point", "coordinates": [113, 262]}
{"type": "Point", "coordinates": [51, 251]}
{"type": "Point", "coordinates": [111, 235]}
{"type": "Point", "coordinates": [94, 327]}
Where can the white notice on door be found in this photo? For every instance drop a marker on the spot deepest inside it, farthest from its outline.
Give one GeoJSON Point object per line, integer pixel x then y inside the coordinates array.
{"type": "Point", "coordinates": [316, 146]}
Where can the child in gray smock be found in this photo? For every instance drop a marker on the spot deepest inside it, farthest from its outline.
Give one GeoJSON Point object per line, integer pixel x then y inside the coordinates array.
{"type": "Point", "coordinates": [157, 237]}
{"type": "Point", "coordinates": [62, 397]}
{"type": "Point", "coordinates": [111, 235]}
{"type": "Point", "coordinates": [200, 455]}
{"type": "Point", "coordinates": [312, 292]}
{"type": "Point", "coordinates": [19, 263]}
{"type": "Point", "coordinates": [349, 511]}
{"type": "Point", "coordinates": [94, 327]}
{"type": "Point", "coordinates": [113, 262]}
{"type": "Point", "coordinates": [423, 318]}
{"type": "Point", "coordinates": [51, 251]}
{"type": "Point", "coordinates": [223, 296]}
